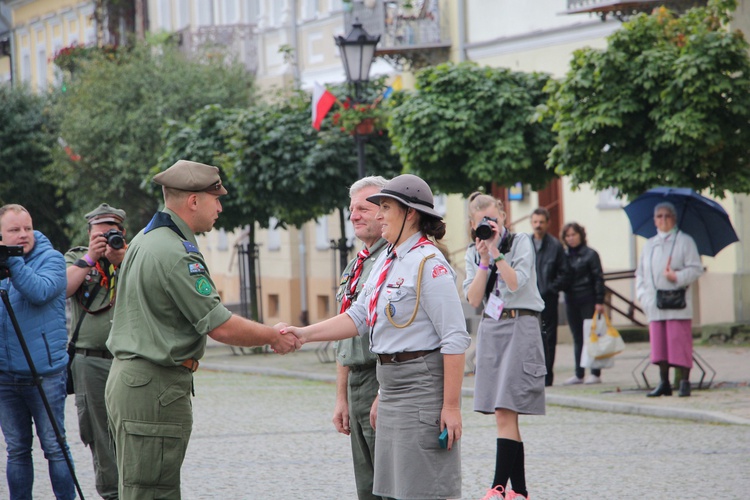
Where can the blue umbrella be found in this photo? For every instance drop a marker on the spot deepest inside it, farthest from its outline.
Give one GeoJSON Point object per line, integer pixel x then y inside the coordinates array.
{"type": "Point", "coordinates": [703, 219]}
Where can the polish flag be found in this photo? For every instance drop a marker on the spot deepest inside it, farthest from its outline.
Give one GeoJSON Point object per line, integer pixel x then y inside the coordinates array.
{"type": "Point", "coordinates": [322, 101]}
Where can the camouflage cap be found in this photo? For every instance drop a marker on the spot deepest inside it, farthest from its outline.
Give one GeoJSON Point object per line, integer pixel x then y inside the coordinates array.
{"type": "Point", "coordinates": [191, 176]}
{"type": "Point", "coordinates": [105, 213]}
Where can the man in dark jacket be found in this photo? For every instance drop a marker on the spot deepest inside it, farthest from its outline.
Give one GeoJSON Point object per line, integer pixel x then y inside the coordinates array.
{"type": "Point", "coordinates": [552, 276]}
{"type": "Point", "coordinates": [36, 291]}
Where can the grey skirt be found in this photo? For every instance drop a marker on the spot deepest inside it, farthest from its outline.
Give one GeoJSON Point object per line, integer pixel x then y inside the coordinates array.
{"type": "Point", "coordinates": [510, 366]}
{"type": "Point", "coordinates": [409, 463]}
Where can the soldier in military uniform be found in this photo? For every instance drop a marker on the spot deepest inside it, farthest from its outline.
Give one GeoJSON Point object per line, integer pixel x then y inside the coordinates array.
{"type": "Point", "coordinates": [167, 304]}
{"type": "Point", "coordinates": [92, 279]}
{"type": "Point", "coordinates": [356, 379]}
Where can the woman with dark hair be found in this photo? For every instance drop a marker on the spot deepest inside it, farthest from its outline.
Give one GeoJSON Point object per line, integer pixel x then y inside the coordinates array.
{"type": "Point", "coordinates": [411, 310]}
{"type": "Point", "coordinates": [510, 367]}
{"type": "Point", "coordinates": [584, 295]}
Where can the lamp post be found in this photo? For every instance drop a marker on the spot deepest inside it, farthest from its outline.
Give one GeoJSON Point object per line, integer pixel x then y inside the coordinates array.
{"type": "Point", "coordinates": [357, 51]}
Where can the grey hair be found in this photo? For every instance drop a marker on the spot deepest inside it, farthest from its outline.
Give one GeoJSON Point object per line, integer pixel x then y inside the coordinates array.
{"type": "Point", "coordinates": [668, 206]}
{"type": "Point", "coordinates": [377, 181]}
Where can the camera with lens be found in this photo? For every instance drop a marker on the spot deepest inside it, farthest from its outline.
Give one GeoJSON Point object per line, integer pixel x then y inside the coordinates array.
{"type": "Point", "coordinates": [115, 239]}
{"type": "Point", "coordinates": [5, 252]}
{"type": "Point", "coordinates": [484, 230]}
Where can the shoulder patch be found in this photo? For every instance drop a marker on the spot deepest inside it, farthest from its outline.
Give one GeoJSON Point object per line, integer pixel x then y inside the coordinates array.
{"type": "Point", "coordinates": [202, 286]}
{"type": "Point", "coordinates": [78, 249]}
{"type": "Point", "coordinates": [439, 270]}
{"type": "Point", "coordinates": [189, 247]}
{"type": "Point", "coordinates": [196, 268]}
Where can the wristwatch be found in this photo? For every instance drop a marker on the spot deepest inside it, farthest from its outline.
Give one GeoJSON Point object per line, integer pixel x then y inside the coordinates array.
{"type": "Point", "coordinates": [82, 264]}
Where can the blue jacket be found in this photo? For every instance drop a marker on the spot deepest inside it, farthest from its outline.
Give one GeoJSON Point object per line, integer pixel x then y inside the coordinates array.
{"type": "Point", "coordinates": [36, 289]}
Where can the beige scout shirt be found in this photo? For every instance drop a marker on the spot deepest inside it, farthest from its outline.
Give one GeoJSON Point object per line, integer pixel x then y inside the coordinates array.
{"type": "Point", "coordinates": [356, 350]}
{"type": "Point", "coordinates": [439, 321]}
{"type": "Point", "coordinates": [166, 301]}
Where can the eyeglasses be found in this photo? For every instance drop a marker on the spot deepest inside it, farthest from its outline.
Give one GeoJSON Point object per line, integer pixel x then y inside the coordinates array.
{"type": "Point", "coordinates": [663, 216]}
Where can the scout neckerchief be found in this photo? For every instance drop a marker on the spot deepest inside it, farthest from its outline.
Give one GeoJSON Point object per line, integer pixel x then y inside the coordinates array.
{"type": "Point", "coordinates": [108, 281]}
{"type": "Point", "coordinates": [372, 313]}
{"type": "Point", "coordinates": [351, 287]}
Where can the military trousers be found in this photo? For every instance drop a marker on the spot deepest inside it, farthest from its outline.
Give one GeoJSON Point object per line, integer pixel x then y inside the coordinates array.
{"type": "Point", "coordinates": [89, 379]}
{"type": "Point", "coordinates": [363, 389]}
{"type": "Point", "coordinates": [151, 418]}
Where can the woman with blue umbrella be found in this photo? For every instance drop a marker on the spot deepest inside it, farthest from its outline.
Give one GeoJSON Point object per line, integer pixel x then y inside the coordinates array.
{"type": "Point", "coordinates": [668, 265]}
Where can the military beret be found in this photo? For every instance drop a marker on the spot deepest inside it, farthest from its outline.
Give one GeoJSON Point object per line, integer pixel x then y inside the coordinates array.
{"type": "Point", "coordinates": [105, 213]}
{"type": "Point", "coordinates": [191, 176]}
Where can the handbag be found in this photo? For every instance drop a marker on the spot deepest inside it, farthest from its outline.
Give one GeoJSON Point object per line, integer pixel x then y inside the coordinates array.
{"type": "Point", "coordinates": [604, 339]}
{"type": "Point", "coordinates": [586, 360]}
{"type": "Point", "coordinates": [671, 299]}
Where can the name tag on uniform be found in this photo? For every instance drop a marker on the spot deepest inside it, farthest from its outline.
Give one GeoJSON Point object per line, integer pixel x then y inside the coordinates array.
{"type": "Point", "coordinates": [494, 307]}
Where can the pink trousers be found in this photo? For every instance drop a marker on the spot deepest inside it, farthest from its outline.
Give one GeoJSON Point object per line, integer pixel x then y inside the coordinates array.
{"type": "Point", "coordinates": [672, 341]}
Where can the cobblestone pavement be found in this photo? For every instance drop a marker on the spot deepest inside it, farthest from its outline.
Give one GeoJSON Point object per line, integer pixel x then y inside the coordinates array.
{"type": "Point", "coordinates": [264, 437]}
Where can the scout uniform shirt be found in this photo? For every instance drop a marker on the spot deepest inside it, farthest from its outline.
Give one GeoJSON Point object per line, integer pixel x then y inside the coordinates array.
{"type": "Point", "coordinates": [439, 321]}
{"type": "Point", "coordinates": [356, 350]}
{"type": "Point", "coordinates": [166, 302]}
{"type": "Point", "coordinates": [95, 326]}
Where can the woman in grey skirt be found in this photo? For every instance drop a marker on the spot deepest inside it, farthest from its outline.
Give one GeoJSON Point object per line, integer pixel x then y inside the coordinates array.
{"type": "Point", "coordinates": [412, 312]}
{"type": "Point", "coordinates": [510, 368]}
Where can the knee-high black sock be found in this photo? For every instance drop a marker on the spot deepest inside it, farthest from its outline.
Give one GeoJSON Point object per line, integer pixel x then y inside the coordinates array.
{"type": "Point", "coordinates": [506, 456]}
{"type": "Point", "coordinates": [518, 473]}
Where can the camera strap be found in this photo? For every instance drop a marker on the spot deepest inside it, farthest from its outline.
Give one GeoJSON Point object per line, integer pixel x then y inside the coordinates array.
{"type": "Point", "coordinates": [74, 338]}
{"type": "Point", "coordinates": [506, 243]}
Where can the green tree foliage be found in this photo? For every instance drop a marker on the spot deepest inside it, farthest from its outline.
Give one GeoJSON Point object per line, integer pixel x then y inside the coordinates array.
{"type": "Point", "coordinates": [28, 133]}
{"type": "Point", "coordinates": [275, 163]}
{"type": "Point", "coordinates": [112, 114]}
{"type": "Point", "coordinates": [666, 103]}
{"type": "Point", "coordinates": [467, 126]}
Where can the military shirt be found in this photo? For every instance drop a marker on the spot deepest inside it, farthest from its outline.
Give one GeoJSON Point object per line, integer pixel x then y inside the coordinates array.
{"type": "Point", "coordinates": [166, 299]}
{"type": "Point", "coordinates": [439, 322]}
{"type": "Point", "coordinates": [356, 350]}
{"type": "Point", "coordinates": [95, 326]}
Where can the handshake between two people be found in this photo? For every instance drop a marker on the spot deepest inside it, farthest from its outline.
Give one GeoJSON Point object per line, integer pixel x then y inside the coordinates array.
{"type": "Point", "coordinates": [291, 338]}
{"type": "Point", "coordinates": [287, 341]}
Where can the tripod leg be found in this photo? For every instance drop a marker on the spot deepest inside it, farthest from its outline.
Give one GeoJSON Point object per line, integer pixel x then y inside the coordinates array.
{"type": "Point", "coordinates": [38, 381]}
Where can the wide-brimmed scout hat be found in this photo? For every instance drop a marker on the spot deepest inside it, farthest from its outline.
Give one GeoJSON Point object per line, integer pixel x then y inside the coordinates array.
{"type": "Point", "coordinates": [410, 190]}
{"type": "Point", "coordinates": [104, 213]}
{"type": "Point", "coordinates": [191, 176]}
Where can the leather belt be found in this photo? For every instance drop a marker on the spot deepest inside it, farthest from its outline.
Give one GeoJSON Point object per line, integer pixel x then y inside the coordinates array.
{"type": "Point", "coordinates": [361, 368]}
{"type": "Point", "coordinates": [191, 364]}
{"type": "Point", "coordinates": [514, 313]}
{"type": "Point", "coordinates": [96, 353]}
{"type": "Point", "coordinates": [400, 357]}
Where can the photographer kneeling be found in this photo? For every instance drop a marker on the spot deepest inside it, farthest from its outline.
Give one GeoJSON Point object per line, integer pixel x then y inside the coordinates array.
{"type": "Point", "coordinates": [92, 280]}
{"type": "Point", "coordinates": [36, 291]}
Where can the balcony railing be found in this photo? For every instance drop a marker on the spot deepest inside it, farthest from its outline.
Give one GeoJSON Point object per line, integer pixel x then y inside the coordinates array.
{"type": "Point", "coordinates": [622, 9]}
{"type": "Point", "coordinates": [415, 35]}
{"type": "Point", "coordinates": [236, 41]}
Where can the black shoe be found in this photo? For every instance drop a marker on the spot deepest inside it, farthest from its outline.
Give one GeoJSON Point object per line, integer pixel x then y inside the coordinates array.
{"type": "Point", "coordinates": [684, 389]}
{"type": "Point", "coordinates": [663, 389]}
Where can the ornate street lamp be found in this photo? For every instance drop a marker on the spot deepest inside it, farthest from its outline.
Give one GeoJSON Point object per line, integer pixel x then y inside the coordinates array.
{"type": "Point", "coordinates": [357, 51]}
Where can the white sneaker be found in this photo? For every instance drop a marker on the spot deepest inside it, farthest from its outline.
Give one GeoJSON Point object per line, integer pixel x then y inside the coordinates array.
{"type": "Point", "coordinates": [593, 379]}
{"type": "Point", "coordinates": [573, 381]}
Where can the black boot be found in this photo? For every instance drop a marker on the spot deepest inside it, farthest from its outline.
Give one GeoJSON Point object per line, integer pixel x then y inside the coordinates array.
{"type": "Point", "coordinates": [663, 389]}
{"type": "Point", "coordinates": [684, 389]}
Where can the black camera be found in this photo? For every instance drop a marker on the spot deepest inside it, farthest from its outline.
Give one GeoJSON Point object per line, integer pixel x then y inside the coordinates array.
{"type": "Point", "coordinates": [115, 239]}
{"type": "Point", "coordinates": [5, 252]}
{"type": "Point", "coordinates": [484, 230]}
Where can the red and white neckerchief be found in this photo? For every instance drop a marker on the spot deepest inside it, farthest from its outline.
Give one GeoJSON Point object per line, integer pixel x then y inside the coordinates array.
{"type": "Point", "coordinates": [372, 311]}
{"type": "Point", "coordinates": [351, 288]}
